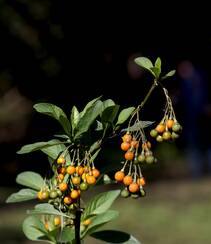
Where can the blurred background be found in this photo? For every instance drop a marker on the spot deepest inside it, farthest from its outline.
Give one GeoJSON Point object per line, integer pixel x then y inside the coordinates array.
{"type": "Point", "coordinates": [51, 52]}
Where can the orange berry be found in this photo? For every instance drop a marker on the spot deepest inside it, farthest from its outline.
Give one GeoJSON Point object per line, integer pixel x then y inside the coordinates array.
{"type": "Point", "coordinates": [133, 187]}
{"type": "Point", "coordinates": [87, 222]}
{"type": "Point", "coordinates": [63, 186]}
{"type": "Point", "coordinates": [74, 194]}
{"type": "Point", "coordinates": [70, 170]}
{"type": "Point", "coordinates": [134, 143]}
{"type": "Point", "coordinates": [125, 146]}
{"type": "Point", "coordinates": [141, 181]}
{"type": "Point", "coordinates": [149, 144]}
{"type": "Point", "coordinates": [127, 138]}
{"type": "Point", "coordinates": [46, 226]}
{"type": "Point", "coordinates": [57, 221]}
{"type": "Point", "coordinates": [61, 160]}
{"type": "Point", "coordinates": [95, 173]}
{"type": "Point", "coordinates": [170, 123]}
{"type": "Point", "coordinates": [119, 176]}
{"type": "Point", "coordinates": [127, 180]}
{"type": "Point", "coordinates": [61, 170]}
{"type": "Point", "coordinates": [39, 195]}
{"type": "Point", "coordinates": [129, 155]}
{"type": "Point", "coordinates": [160, 128]}
{"type": "Point", "coordinates": [79, 170]}
{"type": "Point", "coordinates": [76, 180]}
{"type": "Point", "coordinates": [60, 177]}
{"type": "Point", "coordinates": [67, 200]}
{"type": "Point", "coordinates": [90, 179]}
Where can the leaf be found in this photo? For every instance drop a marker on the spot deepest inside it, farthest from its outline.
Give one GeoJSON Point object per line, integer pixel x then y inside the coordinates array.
{"type": "Point", "coordinates": [62, 136]}
{"type": "Point", "coordinates": [53, 151]}
{"type": "Point", "coordinates": [88, 118]}
{"type": "Point", "coordinates": [100, 220]}
{"type": "Point", "coordinates": [99, 126]}
{"type": "Point", "coordinates": [88, 105]}
{"type": "Point", "coordinates": [46, 208]}
{"type": "Point", "coordinates": [34, 229]}
{"type": "Point", "coordinates": [115, 236]}
{"type": "Point", "coordinates": [38, 146]}
{"type": "Point", "coordinates": [22, 195]}
{"type": "Point", "coordinates": [67, 235]}
{"type": "Point", "coordinates": [156, 72]}
{"type": "Point", "coordinates": [75, 117]}
{"type": "Point", "coordinates": [55, 112]}
{"type": "Point", "coordinates": [100, 203]}
{"type": "Point", "coordinates": [139, 125]}
{"type": "Point", "coordinates": [124, 115]}
{"type": "Point", "coordinates": [95, 146]}
{"type": "Point", "coordinates": [108, 103]}
{"type": "Point", "coordinates": [95, 155]}
{"type": "Point", "coordinates": [109, 114]}
{"type": "Point", "coordinates": [30, 179]}
{"type": "Point", "coordinates": [169, 74]}
{"type": "Point", "coordinates": [144, 63]}
{"type": "Point", "coordinates": [158, 63]}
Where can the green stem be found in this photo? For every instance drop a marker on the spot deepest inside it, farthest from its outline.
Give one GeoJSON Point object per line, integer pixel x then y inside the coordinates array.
{"type": "Point", "coordinates": [155, 83]}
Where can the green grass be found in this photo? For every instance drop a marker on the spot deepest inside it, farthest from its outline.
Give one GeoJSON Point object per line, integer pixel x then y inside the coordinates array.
{"type": "Point", "coordinates": [173, 212]}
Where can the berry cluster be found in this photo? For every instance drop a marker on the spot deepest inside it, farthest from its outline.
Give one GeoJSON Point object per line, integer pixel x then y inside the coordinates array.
{"type": "Point", "coordinates": [168, 128]}
{"type": "Point", "coordinates": [137, 151]}
{"type": "Point", "coordinates": [72, 175]}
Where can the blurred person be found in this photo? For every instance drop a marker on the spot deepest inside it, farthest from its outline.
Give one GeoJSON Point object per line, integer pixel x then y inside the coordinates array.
{"type": "Point", "coordinates": [194, 98]}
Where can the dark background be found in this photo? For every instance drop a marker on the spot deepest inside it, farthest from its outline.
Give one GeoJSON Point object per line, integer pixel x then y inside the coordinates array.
{"type": "Point", "coordinates": [68, 55]}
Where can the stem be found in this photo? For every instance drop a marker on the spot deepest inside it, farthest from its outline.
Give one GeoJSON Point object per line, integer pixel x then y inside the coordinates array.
{"type": "Point", "coordinates": [77, 223]}
{"type": "Point", "coordinates": [144, 101]}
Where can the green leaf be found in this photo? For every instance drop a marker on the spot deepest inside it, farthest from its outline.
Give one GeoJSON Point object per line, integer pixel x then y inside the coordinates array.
{"type": "Point", "coordinates": [144, 63]}
{"type": "Point", "coordinates": [100, 220]}
{"type": "Point", "coordinates": [158, 63]}
{"type": "Point", "coordinates": [156, 72]}
{"type": "Point", "coordinates": [55, 112]}
{"type": "Point", "coordinates": [124, 115]}
{"type": "Point", "coordinates": [95, 146]}
{"type": "Point", "coordinates": [108, 103]}
{"type": "Point", "coordinates": [30, 179]}
{"type": "Point", "coordinates": [99, 126]}
{"type": "Point", "coordinates": [88, 105]}
{"type": "Point", "coordinates": [62, 136]}
{"type": "Point", "coordinates": [100, 203]}
{"type": "Point", "coordinates": [38, 146]}
{"type": "Point", "coordinates": [139, 125]}
{"type": "Point", "coordinates": [75, 117]}
{"type": "Point", "coordinates": [34, 229]}
{"type": "Point", "coordinates": [22, 195]}
{"type": "Point", "coordinates": [67, 235]}
{"type": "Point", "coordinates": [115, 236]}
{"type": "Point", "coordinates": [95, 155]}
{"type": "Point", "coordinates": [109, 114]}
{"type": "Point", "coordinates": [53, 151]}
{"type": "Point", "coordinates": [88, 118]}
{"type": "Point", "coordinates": [46, 208]}
{"type": "Point", "coordinates": [169, 74]}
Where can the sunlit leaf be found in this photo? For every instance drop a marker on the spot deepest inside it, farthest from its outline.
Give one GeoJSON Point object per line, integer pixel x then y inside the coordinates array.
{"type": "Point", "coordinates": [22, 195]}
{"type": "Point", "coordinates": [100, 203]}
{"type": "Point", "coordinates": [124, 115]}
{"type": "Point", "coordinates": [38, 146]}
{"type": "Point", "coordinates": [169, 74]}
{"type": "Point", "coordinates": [75, 117]}
{"type": "Point", "coordinates": [30, 179]}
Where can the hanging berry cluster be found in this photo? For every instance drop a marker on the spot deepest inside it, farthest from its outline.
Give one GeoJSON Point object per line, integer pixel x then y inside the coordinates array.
{"type": "Point", "coordinates": [168, 128]}
{"type": "Point", "coordinates": [74, 172]}
{"type": "Point", "coordinates": [138, 149]}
